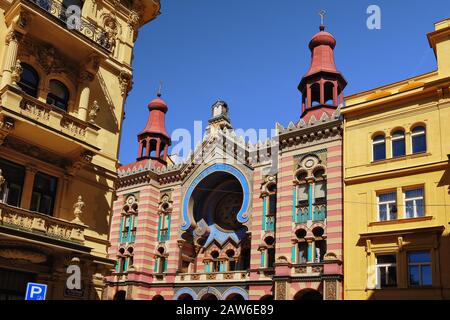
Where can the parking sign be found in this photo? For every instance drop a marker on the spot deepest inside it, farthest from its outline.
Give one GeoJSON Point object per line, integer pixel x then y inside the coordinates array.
{"type": "Point", "coordinates": [36, 291]}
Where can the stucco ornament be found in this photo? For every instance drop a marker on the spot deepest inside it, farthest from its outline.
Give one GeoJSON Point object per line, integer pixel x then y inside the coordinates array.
{"type": "Point", "coordinates": [94, 111]}
{"type": "Point", "coordinates": [78, 209]}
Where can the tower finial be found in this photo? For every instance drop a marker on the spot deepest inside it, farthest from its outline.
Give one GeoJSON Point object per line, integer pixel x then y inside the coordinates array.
{"type": "Point", "coordinates": [159, 89]}
{"type": "Point", "coordinates": [322, 14]}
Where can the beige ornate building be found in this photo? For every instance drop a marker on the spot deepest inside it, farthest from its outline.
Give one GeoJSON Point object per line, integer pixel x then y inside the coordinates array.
{"type": "Point", "coordinates": [65, 73]}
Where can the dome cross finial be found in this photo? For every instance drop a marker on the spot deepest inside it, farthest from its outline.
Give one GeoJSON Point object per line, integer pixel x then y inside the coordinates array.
{"type": "Point", "coordinates": [322, 14]}
{"type": "Point", "coordinates": [160, 88]}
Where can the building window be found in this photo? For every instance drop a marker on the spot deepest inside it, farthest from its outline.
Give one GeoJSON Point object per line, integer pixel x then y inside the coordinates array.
{"type": "Point", "coordinates": [14, 175]}
{"type": "Point", "coordinates": [270, 257]}
{"type": "Point", "coordinates": [302, 195]}
{"type": "Point", "coordinates": [419, 268]}
{"type": "Point", "coordinates": [58, 95]}
{"type": "Point", "coordinates": [44, 193]}
{"type": "Point", "coordinates": [29, 80]}
{"type": "Point", "coordinates": [414, 203]}
{"type": "Point", "coordinates": [272, 205]}
{"type": "Point", "coordinates": [379, 148]}
{"type": "Point", "coordinates": [164, 227]}
{"type": "Point", "coordinates": [387, 206]}
{"type": "Point", "coordinates": [302, 252]}
{"type": "Point", "coordinates": [419, 140]}
{"type": "Point", "coordinates": [386, 271]}
{"type": "Point", "coordinates": [398, 144]}
{"type": "Point", "coordinates": [320, 191]}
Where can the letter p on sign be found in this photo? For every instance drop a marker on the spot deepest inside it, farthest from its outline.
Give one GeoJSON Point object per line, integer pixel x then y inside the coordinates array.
{"type": "Point", "coordinates": [36, 291]}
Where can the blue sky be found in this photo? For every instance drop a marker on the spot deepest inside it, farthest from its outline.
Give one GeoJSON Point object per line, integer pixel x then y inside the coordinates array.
{"type": "Point", "coordinates": [253, 53]}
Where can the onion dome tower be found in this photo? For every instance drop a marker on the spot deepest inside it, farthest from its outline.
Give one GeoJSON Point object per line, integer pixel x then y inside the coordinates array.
{"type": "Point", "coordinates": [323, 85]}
{"type": "Point", "coordinates": [154, 141]}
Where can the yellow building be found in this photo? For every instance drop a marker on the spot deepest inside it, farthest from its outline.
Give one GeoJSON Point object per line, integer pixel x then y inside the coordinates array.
{"type": "Point", "coordinates": [64, 76]}
{"type": "Point", "coordinates": [397, 176]}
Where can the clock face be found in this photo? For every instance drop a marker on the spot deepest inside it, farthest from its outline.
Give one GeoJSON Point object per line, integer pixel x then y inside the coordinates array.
{"type": "Point", "coordinates": [226, 211]}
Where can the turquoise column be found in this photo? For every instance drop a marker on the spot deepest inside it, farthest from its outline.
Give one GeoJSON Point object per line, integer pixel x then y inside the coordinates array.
{"type": "Point", "coordinates": [310, 201]}
{"type": "Point", "coordinates": [130, 219]}
{"type": "Point", "coordinates": [294, 254]}
{"type": "Point", "coordinates": [264, 214]}
{"type": "Point", "coordinates": [310, 251]}
{"type": "Point", "coordinates": [156, 265]}
{"type": "Point", "coordinates": [207, 267]}
{"type": "Point", "coordinates": [263, 259]}
{"type": "Point", "coordinates": [125, 264]}
{"type": "Point", "coordinates": [294, 204]}
{"type": "Point", "coordinates": [133, 236]}
{"type": "Point", "coordinates": [168, 227]}
{"type": "Point", "coordinates": [159, 227]}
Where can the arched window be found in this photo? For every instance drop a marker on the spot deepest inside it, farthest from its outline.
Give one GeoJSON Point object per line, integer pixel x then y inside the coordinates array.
{"type": "Point", "coordinates": [379, 147]}
{"type": "Point", "coordinates": [329, 93]}
{"type": "Point", "coordinates": [419, 139]}
{"type": "Point", "coordinates": [58, 95]}
{"type": "Point", "coordinates": [315, 94]}
{"type": "Point", "coordinates": [398, 144]}
{"type": "Point", "coordinates": [29, 80]}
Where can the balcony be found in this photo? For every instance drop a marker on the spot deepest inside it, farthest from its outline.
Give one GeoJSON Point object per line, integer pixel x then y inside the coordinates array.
{"type": "Point", "coordinates": [34, 225]}
{"type": "Point", "coordinates": [213, 276]}
{"type": "Point", "coordinates": [45, 125]}
{"type": "Point", "coordinates": [86, 28]}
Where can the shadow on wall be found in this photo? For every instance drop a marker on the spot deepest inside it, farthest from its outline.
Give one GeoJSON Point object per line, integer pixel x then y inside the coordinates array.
{"type": "Point", "coordinates": [106, 118]}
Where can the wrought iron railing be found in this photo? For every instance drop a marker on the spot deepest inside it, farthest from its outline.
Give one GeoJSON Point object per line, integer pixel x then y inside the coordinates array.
{"type": "Point", "coordinates": [85, 27]}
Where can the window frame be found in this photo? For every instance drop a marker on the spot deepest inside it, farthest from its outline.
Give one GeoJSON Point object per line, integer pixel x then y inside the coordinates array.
{"type": "Point", "coordinates": [53, 196]}
{"type": "Point", "coordinates": [29, 88]}
{"type": "Point", "coordinates": [420, 265]}
{"type": "Point", "coordinates": [386, 266]}
{"type": "Point", "coordinates": [374, 143]}
{"type": "Point", "coordinates": [414, 199]}
{"type": "Point", "coordinates": [419, 134]}
{"type": "Point", "coordinates": [387, 203]}
{"type": "Point", "coordinates": [395, 139]}
{"type": "Point", "coordinates": [58, 102]}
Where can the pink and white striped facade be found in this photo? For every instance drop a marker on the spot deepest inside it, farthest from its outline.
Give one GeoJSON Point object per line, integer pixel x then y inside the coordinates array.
{"type": "Point", "coordinates": [240, 221]}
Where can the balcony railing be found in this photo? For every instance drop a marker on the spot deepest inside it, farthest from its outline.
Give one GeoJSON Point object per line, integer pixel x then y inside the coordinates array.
{"type": "Point", "coordinates": [319, 213]}
{"type": "Point", "coordinates": [270, 223]}
{"type": "Point", "coordinates": [85, 27]}
{"type": "Point", "coordinates": [164, 235]}
{"type": "Point", "coordinates": [38, 223]}
{"type": "Point", "coordinates": [56, 118]}
{"type": "Point", "coordinates": [307, 268]}
{"type": "Point", "coordinates": [302, 215]}
{"type": "Point", "coordinates": [213, 276]}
